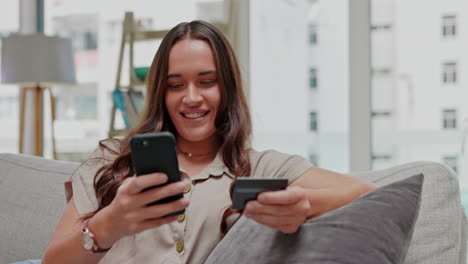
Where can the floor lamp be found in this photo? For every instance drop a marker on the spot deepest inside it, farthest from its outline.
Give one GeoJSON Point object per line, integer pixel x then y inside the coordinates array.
{"type": "Point", "coordinates": [36, 61]}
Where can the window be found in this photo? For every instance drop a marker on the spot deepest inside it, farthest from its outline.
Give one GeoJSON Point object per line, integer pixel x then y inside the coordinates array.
{"type": "Point", "coordinates": [313, 158]}
{"type": "Point", "coordinates": [77, 103]}
{"type": "Point", "coordinates": [313, 78]}
{"type": "Point", "coordinates": [82, 29]}
{"type": "Point", "coordinates": [9, 99]}
{"type": "Point", "coordinates": [114, 29]}
{"type": "Point", "coordinates": [382, 114]}
{"type": "Point", "coordinates": [313, 37]}
{"type": "Point", "coordinates": [313, 121]}
{"type": "Point", "coordinates": [381, 157]}
{"type": "Point", "coordinates": [381, 27]}
{"type": "Point", "coordinates": [145, 23]}
{"type": "Point", "coordinates": [451, 161]}
{"type": "Point", "coordinates": [90, 40]}
{"type": "Point", "coordinates": [449, 118]}
{"type": "Point", "coordinates": [9, 107]}
{"type": "Point", "coordinates": [382, 160]}
{"type": "Point", "coordinates": [84, 40]}
{"type": "Point", "coordinates": [449, 26]}
{"type": "Point", "coordinates": [381, 71]}
{"type": "Point", "coordinates": [449, 72]}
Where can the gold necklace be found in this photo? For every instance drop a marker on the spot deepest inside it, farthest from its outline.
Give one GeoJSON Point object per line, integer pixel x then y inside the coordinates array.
{"type": "Point", "coordinates": [189, 154]}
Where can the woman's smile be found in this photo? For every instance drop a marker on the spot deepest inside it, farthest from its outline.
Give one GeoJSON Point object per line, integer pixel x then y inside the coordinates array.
{"type": "Point", "coordinates": [195, 116]}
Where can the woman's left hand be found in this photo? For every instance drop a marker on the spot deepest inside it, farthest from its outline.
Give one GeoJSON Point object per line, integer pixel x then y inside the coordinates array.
{"type": "Point", "coordinates": [284, 210]}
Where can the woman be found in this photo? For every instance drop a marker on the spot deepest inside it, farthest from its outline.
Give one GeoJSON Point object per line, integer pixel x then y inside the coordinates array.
{"type": "Point", "coordinates": [195, 92]}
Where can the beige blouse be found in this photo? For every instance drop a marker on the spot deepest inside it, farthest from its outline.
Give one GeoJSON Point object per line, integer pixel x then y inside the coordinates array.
{"type": "Point", "coordinates": [193, 236]}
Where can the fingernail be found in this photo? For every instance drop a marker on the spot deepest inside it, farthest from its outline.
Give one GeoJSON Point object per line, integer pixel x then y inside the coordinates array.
{"type": "Point", "coordinates": [163, 177]}
{"type": "Point", "coordinates": [181, 186]}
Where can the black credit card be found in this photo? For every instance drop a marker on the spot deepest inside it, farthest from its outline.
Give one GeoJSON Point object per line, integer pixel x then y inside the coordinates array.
{"type": "Point", "coordinates": [246, 189]}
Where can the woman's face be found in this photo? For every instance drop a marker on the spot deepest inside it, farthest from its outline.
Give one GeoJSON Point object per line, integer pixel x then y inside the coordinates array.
{"type": "Point", "coordinates": [193, 94]}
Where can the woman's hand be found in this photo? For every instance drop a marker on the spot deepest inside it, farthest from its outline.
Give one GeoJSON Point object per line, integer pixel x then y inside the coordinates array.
{"type": "Point", "coordinates": [129, 214]}
{"type": "Point", "coordinates": [288, 209]}
{"type": "Point", "coordinates": [284, 210]}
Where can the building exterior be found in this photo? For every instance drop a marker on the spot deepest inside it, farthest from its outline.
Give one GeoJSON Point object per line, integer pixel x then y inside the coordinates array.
{"type": "Point", "coordinates": [419, 58]}
{"type": "Point", "coordinates": [418, 85]}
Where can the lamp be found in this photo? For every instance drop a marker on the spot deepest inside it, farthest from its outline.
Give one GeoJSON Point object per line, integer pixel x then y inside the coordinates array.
{"type": "Point", "coordinates": [36, 61]}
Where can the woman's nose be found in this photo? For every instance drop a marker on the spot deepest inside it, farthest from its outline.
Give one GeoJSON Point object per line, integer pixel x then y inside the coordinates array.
{"type": "Point", "coordinates": [192, 96]}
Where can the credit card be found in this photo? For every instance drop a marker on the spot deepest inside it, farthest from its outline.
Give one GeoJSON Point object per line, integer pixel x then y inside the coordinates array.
{"type": "Point", "coordinates": [246, 189]}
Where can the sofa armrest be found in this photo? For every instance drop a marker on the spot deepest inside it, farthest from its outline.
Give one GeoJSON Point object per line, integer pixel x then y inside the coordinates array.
{"type": "Point", "coordinates": [440, 231]}
{"type": "Point", "coordinates": [32, 195]}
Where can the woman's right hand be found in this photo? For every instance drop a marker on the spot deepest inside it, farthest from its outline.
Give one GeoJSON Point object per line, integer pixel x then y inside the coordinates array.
{"type": "Point", "coordinates": [129, 214]}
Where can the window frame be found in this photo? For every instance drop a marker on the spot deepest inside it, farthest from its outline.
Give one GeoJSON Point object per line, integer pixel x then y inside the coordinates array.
{"type": "Point", "coordinates": [449, 72]}
{"type": "Point", "coordinates": [449, 25]}
{"type": "Point", "coordinates": [449, 118]}
{"type": "Point", "coordinates": [313, 34]}
{"type": "Point", "coordinates": [451, 161]}
{"type": "Point", "coordinates": [313, 121]}
{"type": "Point", "coordinates": [313, 78]}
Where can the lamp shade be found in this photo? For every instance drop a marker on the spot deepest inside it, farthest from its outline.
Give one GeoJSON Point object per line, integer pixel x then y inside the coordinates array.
{"type": "Point", "coordinates": [37, 59]}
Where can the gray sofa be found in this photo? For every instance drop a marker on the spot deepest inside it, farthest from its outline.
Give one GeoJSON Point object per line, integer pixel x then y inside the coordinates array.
{"type": "Point", "coordinates": [33, 198]}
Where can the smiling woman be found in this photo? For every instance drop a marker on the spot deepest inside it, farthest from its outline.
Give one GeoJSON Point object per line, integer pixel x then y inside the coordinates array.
{"type": "Point", "coordinates": [194, 92]}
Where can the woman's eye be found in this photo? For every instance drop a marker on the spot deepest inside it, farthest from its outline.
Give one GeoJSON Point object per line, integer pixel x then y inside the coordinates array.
{"type": "Point", "coordinates": [175, 85]}
{"type": "Point", "coordinates": [207, 83]}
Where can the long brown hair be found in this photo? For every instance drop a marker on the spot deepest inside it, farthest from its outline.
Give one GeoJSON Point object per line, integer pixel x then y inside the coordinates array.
{"type": "Point", "coordinates": [233, 123]}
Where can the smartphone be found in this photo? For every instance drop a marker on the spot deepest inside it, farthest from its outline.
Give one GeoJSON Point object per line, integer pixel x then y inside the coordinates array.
{"type": "Point", "coordinates": [156, 152]}
{"type": "Point", "coordinates": [246, 189]}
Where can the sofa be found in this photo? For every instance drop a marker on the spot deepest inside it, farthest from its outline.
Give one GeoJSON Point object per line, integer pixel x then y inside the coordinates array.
{"type": "Point", "coordinates": [33, 197]}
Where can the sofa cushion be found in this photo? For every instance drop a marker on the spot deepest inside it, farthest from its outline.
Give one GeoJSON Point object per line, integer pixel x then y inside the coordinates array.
{"type": "Point", "coordinates": [32, 200]}
{"type": "Point", "coordinates": [375, 228]}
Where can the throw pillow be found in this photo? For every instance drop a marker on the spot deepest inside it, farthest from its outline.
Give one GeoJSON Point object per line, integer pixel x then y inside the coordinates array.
{"type": "Point", "coordinates": [375, 228]}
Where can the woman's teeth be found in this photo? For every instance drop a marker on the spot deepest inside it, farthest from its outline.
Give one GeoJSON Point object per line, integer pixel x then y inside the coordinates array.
{"type": "Point", "coordinates": [194, 115]}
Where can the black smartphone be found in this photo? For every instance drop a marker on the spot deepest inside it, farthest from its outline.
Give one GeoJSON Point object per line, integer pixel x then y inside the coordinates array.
{"type": "Point", "coordinates": [246, 189]}
{"type": "Point", "coordinates": [156, 152]}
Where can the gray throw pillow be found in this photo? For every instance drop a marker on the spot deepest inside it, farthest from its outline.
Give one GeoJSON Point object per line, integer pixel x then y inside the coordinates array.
{"type": "Point", "coordinates": [375, 228]}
